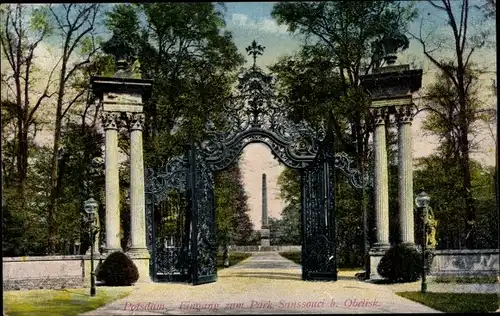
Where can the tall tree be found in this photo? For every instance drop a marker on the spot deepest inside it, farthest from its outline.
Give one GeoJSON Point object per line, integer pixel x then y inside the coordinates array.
{"type": "Point", "coordinates": [454, 109]}
{"type": "Point", "coordinates": [442, 180]}
{"type": "Point", "coordinates": [75, 24]}
{"type": "Point", "coordinates": [193, 63]}
{"type": "Point", "coordinates": [338, 40]}
{"type": "Point", "coordinates": [23, 29]}
{"type": "Point", "coordinates": [289, 223]}
{"type": "Point", "coordinates": [323, 80]}
{"type": "Point", "coordinates": [233, 221]}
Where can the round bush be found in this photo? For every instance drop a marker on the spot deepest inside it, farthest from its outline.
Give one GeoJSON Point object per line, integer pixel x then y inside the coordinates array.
{"type": "Point", "coordinates": [117, 270]}
{"type": "Point", "coordinates": [400, 264]}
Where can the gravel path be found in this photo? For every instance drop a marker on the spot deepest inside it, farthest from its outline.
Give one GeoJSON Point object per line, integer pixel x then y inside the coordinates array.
{"type": "Point", "coordinates": [265, 283]}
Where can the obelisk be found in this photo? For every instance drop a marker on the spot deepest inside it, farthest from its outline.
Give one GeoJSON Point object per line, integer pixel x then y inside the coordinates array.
{"type": "Point", "coordinates": [264, 232]}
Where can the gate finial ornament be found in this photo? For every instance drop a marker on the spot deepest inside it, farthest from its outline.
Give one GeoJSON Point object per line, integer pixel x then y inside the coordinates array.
{"type": "Point", "coordinates": [255, 50]}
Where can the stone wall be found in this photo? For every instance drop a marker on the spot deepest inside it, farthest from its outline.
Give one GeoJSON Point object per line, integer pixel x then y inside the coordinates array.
{"type": "Point", "coordinates": [264, 248]}
{"type": "Point", "coordinates": [47, 272]}
{"type": "Point", "coordinates": [465, 262]}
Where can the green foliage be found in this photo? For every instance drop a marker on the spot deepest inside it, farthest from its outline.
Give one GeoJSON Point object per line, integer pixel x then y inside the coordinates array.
{"type": "Point", "coordinates": [117, 270]}
{"type": "Point", "coordinates": [39, 21]}
{"type": "Point", "coordinates": [466, 279]}
{"type": "Point", "coordinates": [24, 225]}
{"type": "Point", "coordinates": [81, 174]}
{"type": "Point", "coordinates": [182, 48]}
{"type": "Point", "coordinates": [233, 222]}
{"type": "Point", "coordinates": [445, 112]}
{"type": "Point", "coordinates": [234, 258]}
{"type": "Point", "coordinates": [60, 302]}
{"type": "Point", "coordinates": [292, 255]}
{"type": "Point", "coordinates": [400, 264]}
{"type": "Point", "coordinates": [441, 180]}
{"type": "Point", "coordinates": [286, 230]}
{"type": "Point", "coordinates": [289, 184]}
{"type": "Point", "coordinates": [455, 302]}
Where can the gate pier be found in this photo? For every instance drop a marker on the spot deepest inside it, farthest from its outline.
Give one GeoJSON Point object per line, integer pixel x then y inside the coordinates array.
{"type": "Point", "coordinates": [122, 99]}
{"type": "Point", "coordinates": [391, 89]}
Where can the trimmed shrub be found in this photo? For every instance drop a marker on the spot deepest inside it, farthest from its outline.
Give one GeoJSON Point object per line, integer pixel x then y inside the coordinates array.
{"type": "Point", "coordinates": [117, 270]}
{"type": "Point", "coordinates": [400, 264]}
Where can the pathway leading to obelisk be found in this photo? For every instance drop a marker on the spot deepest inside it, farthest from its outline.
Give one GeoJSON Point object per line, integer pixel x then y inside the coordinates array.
{"type": "Point", "coordinates": [265, 283]}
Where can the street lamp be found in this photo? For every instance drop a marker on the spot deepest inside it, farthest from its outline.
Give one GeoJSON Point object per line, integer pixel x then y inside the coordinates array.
{"type": "Point", "coordinates": [90, 207]}
{"type": "Point", "coordinates": [422, 201]}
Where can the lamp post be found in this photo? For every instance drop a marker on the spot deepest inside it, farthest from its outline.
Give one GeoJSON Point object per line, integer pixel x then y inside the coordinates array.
{"type": "Point", "coordinates": [422, 202]}
{"type": "Point", "coordinates": [90, 207]}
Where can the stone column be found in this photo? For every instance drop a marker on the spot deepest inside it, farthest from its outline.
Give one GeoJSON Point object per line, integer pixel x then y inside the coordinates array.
{"type": "Point", "coordinates": [137, 203]}
{"type": "Point", "coordinates": [405, 171]}
{"type": "Point", "coordinates": [110, 121]}
{"type": "Point", "coordinates": [138, 249]}
{"type": "Point", "coordinates": [381, 180]}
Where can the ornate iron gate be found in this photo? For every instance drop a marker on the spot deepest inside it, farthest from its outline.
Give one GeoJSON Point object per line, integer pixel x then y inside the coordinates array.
{"type": "Point", "coordinates": [318, 217]}
{"type": "Point", "coordinates": [202, 209]}
{"type": "Point", "coordinates": [254, 114]}
{"type": "Point", "coordinates": [168, 221]}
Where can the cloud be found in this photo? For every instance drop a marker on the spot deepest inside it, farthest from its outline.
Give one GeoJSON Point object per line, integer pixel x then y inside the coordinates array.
{"type": "Point", "coordinates": [264, 25]}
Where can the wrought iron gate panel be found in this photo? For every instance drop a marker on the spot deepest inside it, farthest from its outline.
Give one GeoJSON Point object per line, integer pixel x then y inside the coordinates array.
{"type": "Point", "coordinates": [202, 206]}
{"type": "Point", "coordinates": [318, 218]}
{"type": "Point", "coordinates": [167, 221]}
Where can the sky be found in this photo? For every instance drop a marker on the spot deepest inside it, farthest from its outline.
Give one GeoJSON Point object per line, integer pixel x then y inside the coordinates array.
{"type": "Point", "coordinates": [249, 21]}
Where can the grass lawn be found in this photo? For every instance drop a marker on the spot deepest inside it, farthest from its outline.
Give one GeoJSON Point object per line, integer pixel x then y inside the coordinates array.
{"type": "Point", "coordinates": [234, 258]}
{"type": "Point", "coordinates": [65, 302]}
{"type": "Point", "coordinates": [292, 255]}
{"type": "Point", "coordinates": [455, 302]}
{"type": "Point", "coordinates": [467, 279]}
{"type": "Point", "coordinates": [295, 257]}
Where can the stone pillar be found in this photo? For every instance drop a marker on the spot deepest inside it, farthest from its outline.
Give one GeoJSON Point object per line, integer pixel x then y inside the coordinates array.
{"type": "Point", "coordinates": [381, 180]}
{"type": "Point", "coordinates": [110, 121]}
{"type": "Point", "coordinates": [264, 236]}
{"type": "Point", "coordinates": [137, 203]}
{"type": "Point", "coordinates": [138, 249]}
{"type": "Point", "coordinates": [405, 178]}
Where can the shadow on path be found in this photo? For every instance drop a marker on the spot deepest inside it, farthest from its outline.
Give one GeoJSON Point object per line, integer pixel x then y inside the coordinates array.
{"type": "Point", "coordinates": [272, 275]}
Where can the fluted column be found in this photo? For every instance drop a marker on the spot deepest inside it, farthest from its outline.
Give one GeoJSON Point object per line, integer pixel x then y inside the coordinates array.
{"type": "Point", "coordinates": [405, 172]}
{"type": "Point", "coordinates": [110, 121]}
{"type": "Point", "coordinates": [381, 180]}
{"type": "Point", "coordinates": [137, 203]}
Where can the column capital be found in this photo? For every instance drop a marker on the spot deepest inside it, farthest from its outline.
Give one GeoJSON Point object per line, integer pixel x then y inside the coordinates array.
{"type": "Point", "coordinates": [379, 115]}
{"type": "Point", "coordinates": [404, 114]}
{"type": "Point", "coordinates": [110, 120]}
{"type": "Point", "coordinates": [136, 121]}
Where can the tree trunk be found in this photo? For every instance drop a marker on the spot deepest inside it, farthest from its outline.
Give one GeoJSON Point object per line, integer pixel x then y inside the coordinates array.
{"type": "Point", "coordinates": [54, 190]}
{"type": "Point", "coordinates": [469, 200]}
